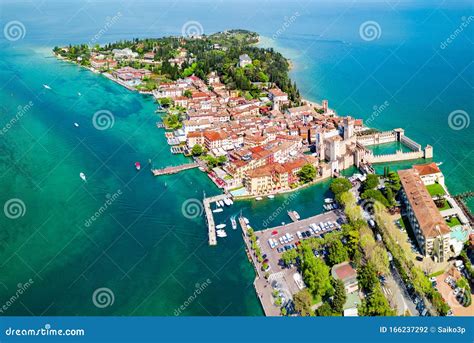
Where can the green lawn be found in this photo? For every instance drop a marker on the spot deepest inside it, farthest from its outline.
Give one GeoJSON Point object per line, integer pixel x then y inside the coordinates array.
{"type": "Point", "coordinates": [435, 189]}
{"type": "Point", "coordinates": [453, 222]}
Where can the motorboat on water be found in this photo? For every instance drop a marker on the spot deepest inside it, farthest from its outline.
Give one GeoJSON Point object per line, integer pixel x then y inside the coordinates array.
{"type": "Point", "coordinates": [79, 93]}
{"type": "Point", "coordinates": [221, 233]}
{"type": "Point", "coordinates": [328, 201]}
{"type": "Point", "coordinates": [218, 203]}
{"type": "Point", "coordinates": [258, 198]}
{"type": "Point", "coordinates": [230, 201]}
{"type": "Point", "coordinates": [82, 176]}
{"type": "Point", "coordinates": [271, 196]}
{"type": "Point", "coordinates": [76, 124]}
{"type": "Point", "coordinates": [137, 166]}
{"type": "Point", "coordinates": [218, 210]}
{"type": "Point", "coordinates": [221, 203]}
{"type": "Point", "coordinates": [46, 86]}
{"type": "Point", "coordinates": [220, 226]}
{"type": "Point", "coordinates": [227, 202]}
{"type": "Point", "coordinates": [233, 222]}
{"type": "Point", "coordinates": [246, 221]}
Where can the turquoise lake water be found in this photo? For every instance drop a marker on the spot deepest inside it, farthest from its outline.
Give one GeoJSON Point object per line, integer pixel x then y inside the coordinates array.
{"type": "Point", "coordinates": [142, 247]}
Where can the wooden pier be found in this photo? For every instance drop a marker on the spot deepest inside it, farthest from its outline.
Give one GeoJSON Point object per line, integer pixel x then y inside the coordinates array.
{"type": "Point", "coordinates": [294, 216]}
{"type": "Point", "coordinates": [211, 225]}
{"type": "Point", "coordinates": [174, 170]}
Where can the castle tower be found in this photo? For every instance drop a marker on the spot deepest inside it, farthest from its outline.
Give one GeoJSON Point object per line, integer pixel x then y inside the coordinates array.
{"type": "Point", "coordinates": [348, 127]}
{"type": "Point", "coordinates": [428, 151]}
{"type": "Point", "coordinates": [325, 105]}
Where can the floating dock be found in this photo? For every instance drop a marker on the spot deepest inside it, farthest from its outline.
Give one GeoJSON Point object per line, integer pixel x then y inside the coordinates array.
{"type": "Point", "coordinates": [211, 225]}
{"type": "Point", "coordinates": [174, 170]}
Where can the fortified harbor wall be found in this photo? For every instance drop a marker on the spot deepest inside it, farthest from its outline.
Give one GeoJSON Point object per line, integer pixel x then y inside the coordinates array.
{"type": "Point", "coordinates": [410, 143]}
{"type": "Point", "coordinates": [398, 156]}
{"type": "Point", "coordinates": [378, 138]}
{"type": "Point", "coordinates": [395, 135]}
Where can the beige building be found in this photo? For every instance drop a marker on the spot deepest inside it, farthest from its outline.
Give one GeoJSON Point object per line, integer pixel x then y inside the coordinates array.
{"type": "Point", "coordinates": [431, 231]}
{"type": "Point", "coordinates": [429, 173]}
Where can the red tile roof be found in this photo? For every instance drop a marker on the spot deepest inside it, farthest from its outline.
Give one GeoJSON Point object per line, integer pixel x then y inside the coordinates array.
{"type": "Point", "coordinates": [427, 169]}
{"type": "Point", "coordinates": [431, 222]}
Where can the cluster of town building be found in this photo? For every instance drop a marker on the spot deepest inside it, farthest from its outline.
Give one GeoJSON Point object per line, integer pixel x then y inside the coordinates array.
{"type": "Point", "coordinates": [266, 141]}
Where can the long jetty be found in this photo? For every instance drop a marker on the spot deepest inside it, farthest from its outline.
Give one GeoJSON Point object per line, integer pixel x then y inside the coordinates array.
{"type": "Point", "coordinates": [175, 169]}
{"type": "Point", "coordinates": [211, 225]}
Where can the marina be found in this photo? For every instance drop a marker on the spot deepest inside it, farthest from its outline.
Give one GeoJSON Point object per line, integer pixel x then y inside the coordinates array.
{"type": "Point", "coordinates": [211, 225]}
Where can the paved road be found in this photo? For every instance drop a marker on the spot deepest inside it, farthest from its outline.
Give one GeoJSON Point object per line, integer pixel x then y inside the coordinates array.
{"type": "Point", "coordinates": [395, 290]}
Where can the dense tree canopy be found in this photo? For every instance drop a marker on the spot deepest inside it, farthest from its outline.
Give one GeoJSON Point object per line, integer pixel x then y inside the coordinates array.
{"type": "Point", "coordinates": [307, 173]}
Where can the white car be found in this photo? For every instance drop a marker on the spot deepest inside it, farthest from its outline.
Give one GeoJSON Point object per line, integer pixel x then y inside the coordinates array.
{"type": "Point", "coordinates": [298, 233]}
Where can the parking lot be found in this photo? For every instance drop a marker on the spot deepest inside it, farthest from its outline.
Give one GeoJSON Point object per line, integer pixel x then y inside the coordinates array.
{"type": "Point", "coordinates": [286, 235]}
{"type": "Point", "coordinates": [449, 293]}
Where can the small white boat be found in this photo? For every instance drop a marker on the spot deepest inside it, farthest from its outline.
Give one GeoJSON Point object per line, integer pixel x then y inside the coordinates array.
{"type": "Point", "coordinates": [231, 201]}
{"type": "Point", "coordinates": [328, 201]}
{"type": "Point", "coordinates": [271, 196]}
{"type": "Point", "coordinates": [82, 176]}
{"type": "Point", "coordinates": [79, 93]}
{"type": "Point", "coordinates": [227, 202]}
{"type": "Point", "coordinates": [220, 226]}
{"type": "Point", "coordinates": [221, 233]}
{"type": "Point", "coordinates": [258, 198]}
{"type": "Point", "coordinates": [46, 86]}
{"type": "Point", "coordinates": [233, 222]}
{"type": "Point", "coordinates": [246, 221]}
{"type": "Point", "coordinates": [218, 204]}
{"type": "Point", "coordinates": [218, 210]}
{"type": "Point", "coordinates": [221, 203]}
{"type": "Point", "coordinates": [76, 124]}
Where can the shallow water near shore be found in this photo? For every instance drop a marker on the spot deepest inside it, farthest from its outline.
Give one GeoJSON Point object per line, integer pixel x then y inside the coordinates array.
{"type": "Point", "coordinates": [142, 247]}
